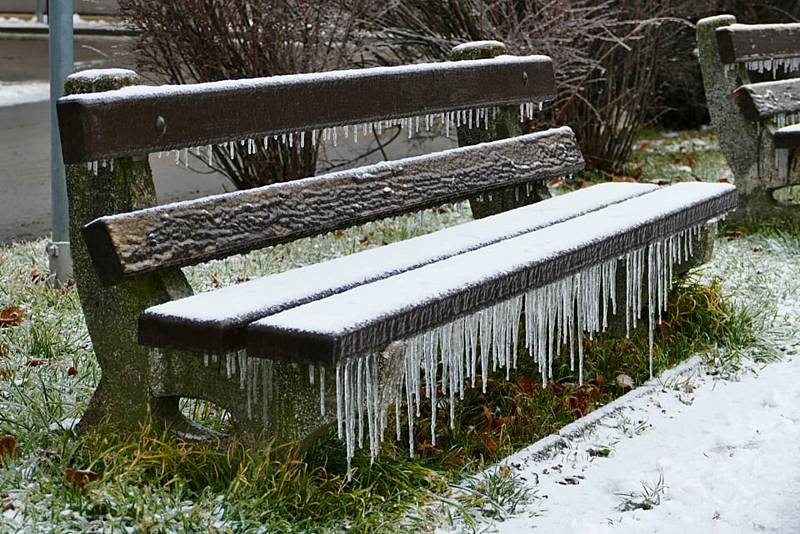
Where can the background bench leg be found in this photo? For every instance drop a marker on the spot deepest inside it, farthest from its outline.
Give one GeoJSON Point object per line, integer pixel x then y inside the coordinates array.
{"type": "Point", "coordinates": [747, 146]}
{"type": "Point", "coordinates": [507, 124]}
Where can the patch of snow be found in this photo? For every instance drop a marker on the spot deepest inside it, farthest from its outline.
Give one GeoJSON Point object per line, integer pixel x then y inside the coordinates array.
{"type": "Point", "coordinates": [14, 94]}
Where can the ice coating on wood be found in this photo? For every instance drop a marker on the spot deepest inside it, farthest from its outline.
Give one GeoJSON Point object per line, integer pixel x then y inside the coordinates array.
{"type": "Point", "coordinates": [186, 233]}
{"type": "Point", "coordinates": [237, 305]}
{"type": "Point", "coordinates": [444, 122]}
{"type": "Point", "coordinates": [366, 316]}
{"type": "Point", "coordinates": [449, 358]}
{"type": "Point", "coordinates": [147, 119]}
{"type": "Point", "coordinates": [740, 43]}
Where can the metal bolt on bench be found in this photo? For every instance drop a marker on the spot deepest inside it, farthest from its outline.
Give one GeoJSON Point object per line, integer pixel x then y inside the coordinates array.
{"type": "Point", "coordinates": [342, 339]}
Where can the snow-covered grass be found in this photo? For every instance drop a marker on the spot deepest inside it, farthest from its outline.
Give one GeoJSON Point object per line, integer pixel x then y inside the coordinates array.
{"type": "Point", "coordinates": [148, 480]}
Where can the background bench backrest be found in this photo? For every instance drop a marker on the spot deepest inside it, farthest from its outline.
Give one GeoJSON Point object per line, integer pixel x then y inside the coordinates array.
{"type": "Point", "coordinates": [134, 121]}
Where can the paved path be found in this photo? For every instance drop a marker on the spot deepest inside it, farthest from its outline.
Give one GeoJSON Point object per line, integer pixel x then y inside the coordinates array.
{"type": "Point", "coordinates": [25, 140]}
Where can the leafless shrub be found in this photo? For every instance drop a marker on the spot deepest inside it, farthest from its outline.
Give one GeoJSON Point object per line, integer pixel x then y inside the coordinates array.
{"type": "Point", "coordinates": [605, 52]}
{"type": "Point", "coordinates": [187, 41]}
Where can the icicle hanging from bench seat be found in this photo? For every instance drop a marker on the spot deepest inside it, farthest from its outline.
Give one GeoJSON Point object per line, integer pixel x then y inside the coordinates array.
{"type": "Point", "coordinates": [555, 315]}
{"type": "Point", "coordinates": [453, 356]}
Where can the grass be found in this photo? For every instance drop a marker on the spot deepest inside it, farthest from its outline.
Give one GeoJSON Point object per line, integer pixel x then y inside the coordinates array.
{"type": "Point", "coordinates": [152, 481]}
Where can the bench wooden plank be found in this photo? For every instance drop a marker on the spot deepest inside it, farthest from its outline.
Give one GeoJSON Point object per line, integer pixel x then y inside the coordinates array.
{"type": "Point", "coordinates": [759, 101]}
{"type": "Point", "coordinates": [140, 120]}
{"type": "Point", "coordinates": [186, 233]}
{"type": "Point", "coordinates": [787, 137]}
{"type": "Point", "coordinates": [369, 317]}
{"type": "Point", "coordinates": [214, 321]}
{"type": "Point", "coordinates": [740, 43]}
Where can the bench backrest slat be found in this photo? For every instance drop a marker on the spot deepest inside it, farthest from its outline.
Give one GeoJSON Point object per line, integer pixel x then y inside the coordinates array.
{"type": "Point", "coordinates": [186, 233]}
{"type": "Point", "coordinates": [759, 101]}
{"type": "Point", "coordinates": [740, 43]}
{"type": "Point", "coordinates": [142, 119]}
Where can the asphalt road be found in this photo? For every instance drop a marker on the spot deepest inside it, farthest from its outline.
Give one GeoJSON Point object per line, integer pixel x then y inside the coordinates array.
{"type": "Point", "coordinates": [25, 141]}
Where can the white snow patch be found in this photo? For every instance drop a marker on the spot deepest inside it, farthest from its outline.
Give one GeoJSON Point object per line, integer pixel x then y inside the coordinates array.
{"type": "Point", "coordinates": [14, 94]}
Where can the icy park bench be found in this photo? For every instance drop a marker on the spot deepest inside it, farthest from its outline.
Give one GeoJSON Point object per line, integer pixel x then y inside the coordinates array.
{"type": "Point", "coordinates": [753, 94]}
{"type": "Point", "coordinates": [343, 339]}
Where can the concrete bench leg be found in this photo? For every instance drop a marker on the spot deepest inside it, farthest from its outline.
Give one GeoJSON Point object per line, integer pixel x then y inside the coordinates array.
{"type": "Point", "coordinates": [135, 381]}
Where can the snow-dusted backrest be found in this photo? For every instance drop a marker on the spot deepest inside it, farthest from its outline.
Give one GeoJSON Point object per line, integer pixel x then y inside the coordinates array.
{"type": "Point", "coordinates": [761, 46]}
{"type": "Point", "coordinates": [99, 127]}
{"type": "Point", "coordinates": [138, 120]}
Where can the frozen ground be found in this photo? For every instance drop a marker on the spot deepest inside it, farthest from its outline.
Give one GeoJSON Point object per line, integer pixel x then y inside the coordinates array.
{"type": "Point", "coordinates": [714, 449]}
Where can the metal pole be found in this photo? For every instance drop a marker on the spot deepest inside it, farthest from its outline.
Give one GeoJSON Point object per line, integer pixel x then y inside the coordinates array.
{"type": "Point", "coordinates": [40, 10]}
{"type": "Point", "coordinates": [61, 65]}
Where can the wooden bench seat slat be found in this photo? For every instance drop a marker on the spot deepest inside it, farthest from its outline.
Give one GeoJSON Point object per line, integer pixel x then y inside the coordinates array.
{"type": "Point", "coordinates": [367, 318]}
{"type": "Point", "coordinates": [759, 101]}
{"type": "Point", "coordinates": [145, 119]}
{"type": "Point", "coordinates": [186, 233]}
{"type": "Point", "coordinates": [787, 137]}
{"type": "Point", "coordinates": [740, 43]}
{"type": "Point", "coordinates": [214, 321]}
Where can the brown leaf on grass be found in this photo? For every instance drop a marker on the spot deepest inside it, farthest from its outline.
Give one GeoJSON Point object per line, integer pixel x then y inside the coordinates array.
{"type": "Point", "coordinates": [7, 507]}
{"type": "Point", "coordinates": [600, 380]}
{"type": "Point", "coordinates": [487, 413]}
{"type": "Point", "coordinates": [733, 234]}
{"type": "Point", "coordinates": [8, 447]}
{"type": "Point", "coordinates": [37, 363]}
{"type": "Point", "coordinates": [503, 421]}
{"type": "Point", "coordinates": [425, 448]}
{"type": "Point", "coordinates": [488, 442]}
{"type": "Point", "coordinates": [12, 316]}
{"type": "Point", "coordinates": [526, 385]}
{"type": "Point", "coordinates": [215, 281]}
{"type": "Point", "coordinates": [37, 277]}
{"type": "Point", "coordinates": [338, 234]}
{"type": "Point", "coordinates": [4, 373]}
{"type": "Point", "coordinates": [630, 179]}
{"type": "Point", "coordinates": [72, 371]}
{"type": "Point", "coordinates": [79, 477]}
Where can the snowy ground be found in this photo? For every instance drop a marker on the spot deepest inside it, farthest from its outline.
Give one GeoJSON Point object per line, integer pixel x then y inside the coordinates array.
{"type": "Point", "coordinates": [14, 94]}
{"type": "Point", "coordinates": [706, 450]}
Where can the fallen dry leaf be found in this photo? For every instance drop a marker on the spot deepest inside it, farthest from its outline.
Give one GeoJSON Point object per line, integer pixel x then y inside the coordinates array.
{"type": "Point", "coordinates": [36, 363]}
{"type": "Point", "coordinates": [72, 371]}
{"type": "Point", "coordinates": [8, 447]}
{"type": "Point", "coordinates": [488, 442]}
{"type": "Point", "coordinates": [80, 477]}
{"type": "Point", "coordinates": [12, 316]}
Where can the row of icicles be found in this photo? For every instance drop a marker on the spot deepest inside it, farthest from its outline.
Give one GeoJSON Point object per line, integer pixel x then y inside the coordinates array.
{"type": "Point", "coordinates": [451, 357]}
{"type": "Point", "coordinates": [787, 65]}
{"type": "Point", "coordinates": [441, 122]}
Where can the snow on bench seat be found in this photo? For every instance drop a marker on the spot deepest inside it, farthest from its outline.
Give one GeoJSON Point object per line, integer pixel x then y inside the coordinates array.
{"type": "Point", "coordinates": [367, 318]}
{"type": "Point", "coordinates": [214, 321]}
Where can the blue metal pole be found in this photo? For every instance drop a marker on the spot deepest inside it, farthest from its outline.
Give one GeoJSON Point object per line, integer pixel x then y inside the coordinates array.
{"type": "Point", "coordinates": [60, 14]}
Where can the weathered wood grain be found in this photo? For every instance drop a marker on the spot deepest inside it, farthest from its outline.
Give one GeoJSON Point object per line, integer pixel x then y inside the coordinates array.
{"type": "Point", "coordinates": [788, 137]}
{"type": "Point", "coordinates": [739, 43]}
{"type": "Point", "coordinates": [214, 321]}
{"type": "Point", "coordinates": [327, 348]}
{"type": "Point", "coordinates": [759, 101]}
{"type": "Point", "coordinates": [187, 233]}
{"type": "Point", "coordinates": [149, 119]}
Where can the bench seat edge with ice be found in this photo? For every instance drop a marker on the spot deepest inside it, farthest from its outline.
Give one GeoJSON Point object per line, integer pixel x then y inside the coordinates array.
{"type": "Point", "coordinates": [153, 339]}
